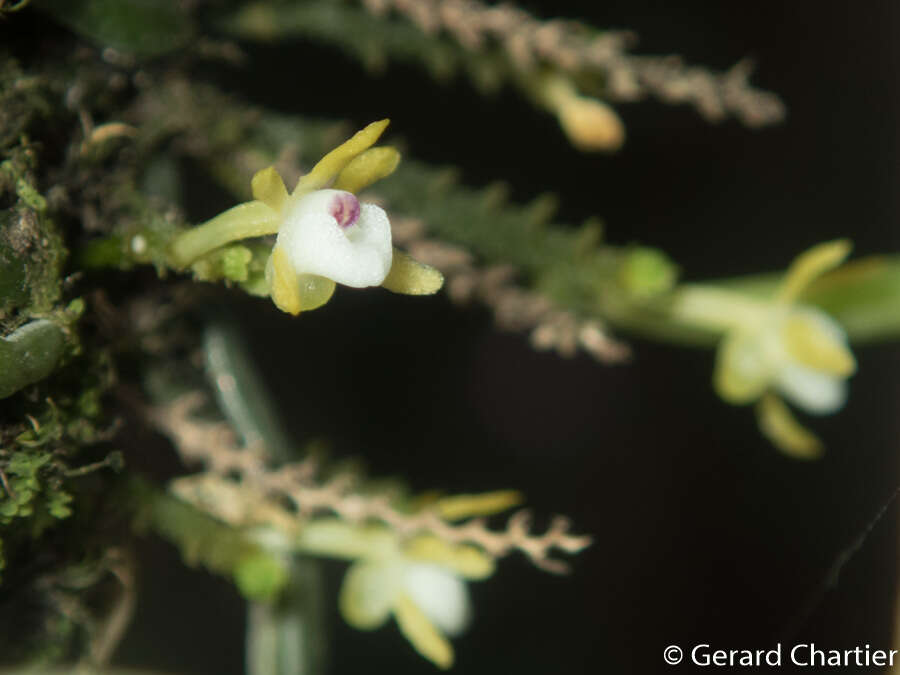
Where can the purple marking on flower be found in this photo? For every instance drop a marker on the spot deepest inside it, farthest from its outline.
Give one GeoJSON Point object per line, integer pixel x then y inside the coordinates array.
{"type": "Point", "coordinates": [345, 209]}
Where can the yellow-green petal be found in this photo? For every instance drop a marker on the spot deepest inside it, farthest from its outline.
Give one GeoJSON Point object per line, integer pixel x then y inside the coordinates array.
{"type": "Point", "coordinates": [741, 373]}
{"type": "Point", "coordinates": [467, 561]}
{"type": "Point", "coordinates": [267, 186]}
{"type": "Point", "coordinates": [314, 291]}
{"type": "Point", "coordinates": [283, 285]}
{"type": "Point", "coordinates": [410, 277]}
{"type": "Point", "coordinates": [366, 168]}
{"type": "Point", "coordinates": [336, 538]}
{"type": "Point", "coordinates": [779, 425]}
{"type": "Point", "coordinates": [331, 164]}
{"type": "Point", "coordinates": [367, 595]}
{"type": "Point", "coordinates": [810, 265]}
{"type": "Point", "coordinates": [484, 504]}
{"type": "Point", "coordinates": [814, 342]}
{"type": "Point", "coordinates": [422, 634]}
{"type": "Point", "coordinates": [291, 292]}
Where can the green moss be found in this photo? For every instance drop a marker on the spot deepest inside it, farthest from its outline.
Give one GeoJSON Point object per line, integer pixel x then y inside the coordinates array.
{"type": "Point", "coordinates": [24, 99]}
{"type": "Point", "coordinates": [32, 198]}
{"type": "Point", "coordinates": [58, 504]}
{"type": "Point", "coordinates": [29, 474]}
{"type": "Point", "coordinates": [140, 233]}
{"type": "Point", "coordinates": [32, 254]}
{"type": "Point", "coordinates": [14, 290]}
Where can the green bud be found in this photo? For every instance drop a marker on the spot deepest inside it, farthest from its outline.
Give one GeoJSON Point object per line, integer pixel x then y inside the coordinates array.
{"type": "Point", "coordinates": [260, 576]}
{"type": "Point", "coordinates": [647, 271]}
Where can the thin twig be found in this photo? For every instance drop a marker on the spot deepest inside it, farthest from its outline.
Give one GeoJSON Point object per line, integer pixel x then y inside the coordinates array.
{"type": "Point", "coordinates": [573, 46]}
{"type": "Point", "coordinates": [215, 445]}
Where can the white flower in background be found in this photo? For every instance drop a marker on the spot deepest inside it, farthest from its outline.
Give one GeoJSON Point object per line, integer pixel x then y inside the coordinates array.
{"type": "Point", "coordinates": [792, 350]}
{"type": "Point", "coordinates": [429, 601]}
{"type": "Point", "coordinates": [800, 352]}
{"type": "Point", "coordinates": [420, 582]}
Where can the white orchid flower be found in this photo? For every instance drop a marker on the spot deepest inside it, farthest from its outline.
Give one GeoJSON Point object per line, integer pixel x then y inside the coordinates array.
{"type": "Point", "coordinates": [792, 350]}
{"type": "Point", "coordinates": [330, 234]}
{"type": "Point", "coordinates": [324, 234]}
{"type": "Point", "coordinates": [800, 352]}
{"type": "Point", "coordinates": [420, 582]}
{"type": "Point", "coordinates": [327, 237]}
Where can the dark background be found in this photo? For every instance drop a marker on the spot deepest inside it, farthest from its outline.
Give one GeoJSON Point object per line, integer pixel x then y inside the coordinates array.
{"type": "Point", "coordinates": [704, 533]}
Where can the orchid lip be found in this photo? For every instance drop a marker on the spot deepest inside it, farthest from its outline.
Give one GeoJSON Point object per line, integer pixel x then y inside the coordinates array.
{"type": "Point", "coordinates": [345, 209]}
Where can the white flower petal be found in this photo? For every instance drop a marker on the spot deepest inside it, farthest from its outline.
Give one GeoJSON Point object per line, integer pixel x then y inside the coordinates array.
{"type": "Point", "coordinates": [815, 340]}
{"type": "Point", "coordinates": [440, 594]}
{"type": "Point", "coordinates": [358, 255]}
{"type": "Point", "coordinates": [369, 592]}
{"type": "Point", "coordinates": [815, 392]}
{"type": "Point", "coordinates": [743, 367]}
{"type": "Point", "coordinates": [822, 322]}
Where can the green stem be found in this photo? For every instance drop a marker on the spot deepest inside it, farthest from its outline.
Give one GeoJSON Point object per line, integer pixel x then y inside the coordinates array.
{"type": "Point", "coordinates": [251, 219]}
{"type": "Point", "coordinates": [718, 309]}
{"type": "Point", "coordinates": [863, 296]}
{"type": "Point", "coordinates": [240, 390]}
{"type": "Point", "coordinates": [285, 637]}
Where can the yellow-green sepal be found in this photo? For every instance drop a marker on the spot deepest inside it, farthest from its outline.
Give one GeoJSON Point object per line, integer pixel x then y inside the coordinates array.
{"type": "Point", "coordinates": [810, 265]}
{"type": "Point", "coordinates": [778, 424]}
{"type": "Point", "coordinates": [458, 507]}
{"type": "Point", "coordinates": [367, 595]}
{"type": "Point", "coordinates": [294, 293]}
{"type": "Point", "coordinates": [315, 291]}
{"type": "Point", "coordinates": [467, 561]}
{"type": "Point", "coordinates": [740, 375]}
{"type": "Point", "coordinates": [334, 162]}
{"type": "Point", "coordinates": [283, 286]}
{"type": "Point", "coordinates": [410, 277]}
{"type": "Point", "coordinates": [366, 168]}
{"type": "Point", "coordinates": [268, 187]}
{"type": "Point", "coordinates": [814, 341]}
{"type": "Point", "coordinates": [422, 634]}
